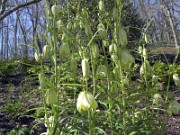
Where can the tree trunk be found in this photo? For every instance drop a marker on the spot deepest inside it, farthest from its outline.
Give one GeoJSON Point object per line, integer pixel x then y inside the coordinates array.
{"type": "Point", "coordinates": [171, 24]}
{"type": "Point", "coordinates": [2, 39]}
{"type": "Point", "coordinates": [25, 47]}
{"type": "Point", "coordinates": [15, 38]}
{"type": "Point", "coordinates": [7, 41]}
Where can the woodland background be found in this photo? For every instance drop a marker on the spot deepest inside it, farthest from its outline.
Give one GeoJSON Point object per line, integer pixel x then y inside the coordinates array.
{"type": "Point", "coordinates": [22, 23]}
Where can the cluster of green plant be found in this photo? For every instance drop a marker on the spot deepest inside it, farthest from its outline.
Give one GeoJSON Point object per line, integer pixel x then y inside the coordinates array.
{"type": "Point", "coordinates": [34, 70]}
{"type": "Point", "coordinates": [7, 67]}
{"type": "Point", "coordinates": [13, 108]}
{"type": "Point", "coordinates": [103, 96]}
{"type": "Point", "coordinates": [22, 131]}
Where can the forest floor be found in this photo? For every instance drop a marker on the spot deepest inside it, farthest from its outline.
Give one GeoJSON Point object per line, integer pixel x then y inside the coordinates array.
{"type": "Point", "coordinates": [15, 103]}
{"type": "Point", "coordinates": [17, 97]}
{"type": "Point", "coordinates": [173, 122]}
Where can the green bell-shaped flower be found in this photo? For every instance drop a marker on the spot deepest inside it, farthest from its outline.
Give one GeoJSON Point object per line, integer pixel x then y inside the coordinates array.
{"type": "Point", "coordinates": [157, 99]}
{"type": "Point", "coordinates": [145, 68]}
{"type": "Point", "coordinates": [86, 101]}
{"type": "Point", "coordinates": [51, 97]}
{"type": "Point", "coordinates": [101, 71]}
{"type": "Point", "coordinates": [174, 108]}
{"type": "Point", "coordinates": [126, 59]}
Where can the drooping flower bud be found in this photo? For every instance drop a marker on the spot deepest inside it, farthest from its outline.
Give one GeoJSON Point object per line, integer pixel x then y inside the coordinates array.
{"type": "Point", "coordinates": [174, 108]}
{"type": "Point", "coordinates": [176, 80]}
{"type": "Point", "coordinates": [69, 25]}
{"type": "Point", "coordinates": [113, 48]}
{"type": "Point", "coordinates": [154, 79]}
{"type": "Point", "coordinates": [122, 39]}
{"type": "Point", "coordinates": [86, 101]}
{"type": "Point", "coordinates": [37, 57]}
{"type": "Point", "coordinates": [157, 99]}
{"type": "Point", "coordinates": [145, 68]}
{"type": "Point", "coordinates": [125, 81]}
{"type": "Point", "coordinates": [85, 68]}
{"type": "Point", "coordinates": [64, 50]}
{"type": "Point", "coordinates": [101, 71]}
{"type": "Point", "coordinates": [140, 49]}
{"type": "Point", "coordinates": [105, 43]}
{"type": "Point", "coordinates": [101, 5]}
{"type": "Point", "coordinates": [74, 66]}
{"type": "Point", "coordinates": [60, 26]}
{"type": "Point", "coordinates": [95, 50]}
{"type": "Point", "coordinates": [81, 24]}
{"type": "Point", "coordinates": [87, 29]}
{"type": "Point", "coordinates": [144, 53]}
{"type": "Point", "coordinates": [115, 14]}
{"type": "Point", "coordinates": [46, 51]}
{"type": "Point", "coordinates": [48, 27]}
{"type": "Point", "coordinates": [54, 10]}
{"type": "Point", "coordinates": [50, 120]}
{"type": "Point", "coordinates": [51, 97]}
{"type": "Point", "coordinates": [42, 80]}
{"type": "Point", "coordinates": [126, 59]}
{"type": "Point", "coordinates": [85, 13]}
{"type": "Point", "coordinates": [64, 38]}
{"type": "Point", "coordinates": [47, 12]}
{"type": "Point", "coordinates": [101, 30]}
{"type": "Point", "coordinates": [114, 57]}
{"type": "Point", "coordinates": [116, 73]}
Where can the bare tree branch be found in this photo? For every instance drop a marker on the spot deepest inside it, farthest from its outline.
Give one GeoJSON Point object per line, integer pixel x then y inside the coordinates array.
{"type": "Point", "coordinates": [18, 7]}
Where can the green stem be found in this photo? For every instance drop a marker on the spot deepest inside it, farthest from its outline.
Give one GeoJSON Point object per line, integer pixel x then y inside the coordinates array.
{"type": "Point", "coordinates": [124, 110]}
{"type": "Point", "coordinates": [55, 52]}
{"type": "Point", "coordinates": [123, 100]}
{"type": "Point", "coordinates": [94, 79]}
{"type": "Point", "coordinates": [167, 88]}
{"type": "Point", "coordinates": [169, 74]}
{"type": "Point", "coordinates": [145, 70]}
{"type": "Point", "coordinates": [90, 123]}
{"type": "Point", "coordinates": [86, 81]}
{"type": "Point", "coordinates": [52, 130]}
{"type": "Point", "coordinates": [44, 103]}
{"type": "Point", "coordinates": [177, 54]}
{"type": "Point", "coordinates": [89, 113]}
{"type": "Point", "coordinates": [93, 73]}
{"type": "Point", "coordinates": [108, 90]}
{"type": "Point", "coordinates": [45, 109]}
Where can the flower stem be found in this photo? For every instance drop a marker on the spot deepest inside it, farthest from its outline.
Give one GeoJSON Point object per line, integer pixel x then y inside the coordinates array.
{"type": "Point", "coordinates": [123, 100]}
{"type": "Point", "coordinates": [90, 123]}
